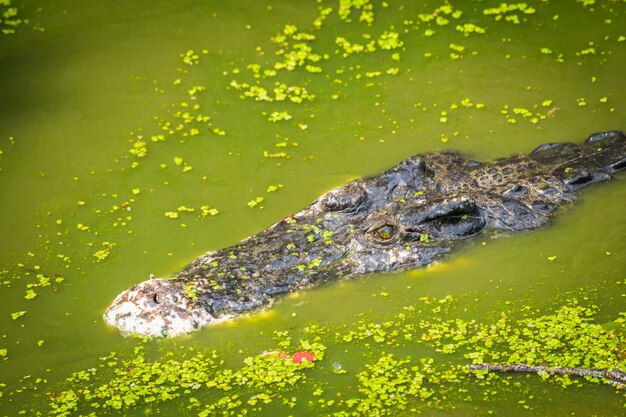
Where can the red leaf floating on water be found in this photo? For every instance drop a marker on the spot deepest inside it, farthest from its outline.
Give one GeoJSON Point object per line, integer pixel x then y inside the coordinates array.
{"type": "Point", "coordinates": [303, 356]}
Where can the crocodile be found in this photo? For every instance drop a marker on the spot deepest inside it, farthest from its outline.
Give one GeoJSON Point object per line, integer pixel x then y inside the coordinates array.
{"type": "Point", "coordinates": [408, 216]}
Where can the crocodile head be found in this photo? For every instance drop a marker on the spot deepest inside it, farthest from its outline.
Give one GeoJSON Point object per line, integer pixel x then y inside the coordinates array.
{"type": "Point", "coordinates": [156, 307]}
{"type": "Point", "coordinates": [350, 230]}
{"type": "Point", "coordinates": [405, 217]}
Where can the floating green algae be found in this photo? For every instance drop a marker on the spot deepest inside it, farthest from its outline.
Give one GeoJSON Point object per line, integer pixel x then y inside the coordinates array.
{"type": "Point", "coordinates": [385, 382]}
{"type": "Point", "coordinates": [415, 77]}
{"type": "Point", "coordinates": [10, 20]}
{"type": "Point", "coordinates": [121, 384]}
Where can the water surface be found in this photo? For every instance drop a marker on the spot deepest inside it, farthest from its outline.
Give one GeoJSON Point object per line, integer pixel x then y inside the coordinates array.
{"type": "Point", "coordinates": [84, 83]}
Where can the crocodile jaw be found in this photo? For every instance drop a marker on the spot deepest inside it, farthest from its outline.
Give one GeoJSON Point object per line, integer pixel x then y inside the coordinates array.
{"type": "Point", "coordinates": [157, 308]}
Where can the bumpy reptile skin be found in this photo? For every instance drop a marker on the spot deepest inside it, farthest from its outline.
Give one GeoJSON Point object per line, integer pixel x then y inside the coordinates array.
{"type": "Point", "coordinates": [408, 216]}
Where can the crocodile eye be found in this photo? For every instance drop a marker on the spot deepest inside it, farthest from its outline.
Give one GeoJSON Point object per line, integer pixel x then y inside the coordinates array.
{"type": "Point", "coordinates": [384, 232]}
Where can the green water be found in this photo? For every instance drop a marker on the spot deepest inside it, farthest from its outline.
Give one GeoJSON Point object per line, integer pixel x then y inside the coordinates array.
{"type": "Point", "coordinates": [83, 81]}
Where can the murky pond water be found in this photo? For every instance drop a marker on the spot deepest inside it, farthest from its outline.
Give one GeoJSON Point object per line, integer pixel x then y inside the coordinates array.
{"type": "Point", "coordinates": [122, 126]}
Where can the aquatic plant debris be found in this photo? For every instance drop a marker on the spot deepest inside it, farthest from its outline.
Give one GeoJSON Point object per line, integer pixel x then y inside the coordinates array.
{"type": "Point", "coordinates": [10, 20]}
{"type": "Point", "coordinates": [569, 338]}
{"type": "Point", "coordinates": [612, 376]}
{"type": "Point", "coordinates": [169, 378]}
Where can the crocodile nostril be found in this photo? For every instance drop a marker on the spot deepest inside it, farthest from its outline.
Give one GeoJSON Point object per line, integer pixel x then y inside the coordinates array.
{"type": "Point", "coordinates": [121, 316]}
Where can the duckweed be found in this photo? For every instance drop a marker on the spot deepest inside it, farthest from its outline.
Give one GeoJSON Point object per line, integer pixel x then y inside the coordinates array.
{"type": "Point", "coordinates": [256, 202]}
{"type": "Point", "coordinates": [385, 384]}
{"type": "Point", "coordinates": [273, 188]}
{"type": "Point", "coordinates": [277, 116]}
{"type": "Point", "coordinates": [267, 154]}
{"type": "Point", "coordinates": [9, 18]}
{"type": "Point", "coordinates": [348, 7]}
{"type": "Point", "coordinates": [389, 40]}
{"type": "Point", "coordinates": [586, 3]}
{"type": "Point", "coordinates": [103, 253]}
{"type": "Point", "coordinates": [121, 384]}
{"type": "Point", "coordinates": [533, 115]}
{"type": "Point", "coordinates": [508, 11]}
{"type": "Point", "coordinates": [17, 314]}
{"type": "Point", "coordinates": [139, 149]}
{"type": "Point", "coordinates": [190, 58]}
{"type": "Point", "coordinates": [385, 388]}
{"type": "Point", "coordinates": [207, 210]}
{"type": "Point", "coordinates": [384, 381]}
{"type": "Point", "coordinates": [469, 28]}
